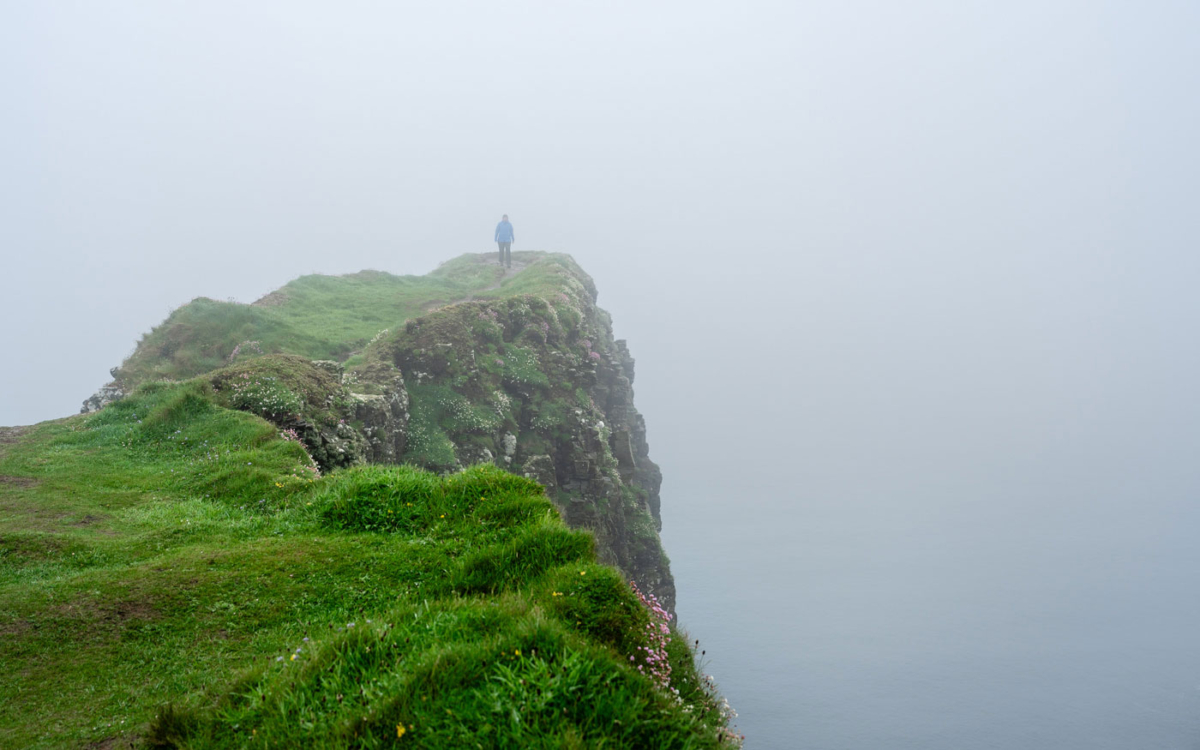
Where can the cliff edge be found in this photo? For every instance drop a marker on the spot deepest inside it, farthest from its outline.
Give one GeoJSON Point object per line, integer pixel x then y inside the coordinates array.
{"type": "Point", "coordinates": [469, 365]}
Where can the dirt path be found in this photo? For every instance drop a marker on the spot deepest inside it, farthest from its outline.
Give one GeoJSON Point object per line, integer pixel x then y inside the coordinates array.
{"type": "Point", "coordinates": [517, 267]}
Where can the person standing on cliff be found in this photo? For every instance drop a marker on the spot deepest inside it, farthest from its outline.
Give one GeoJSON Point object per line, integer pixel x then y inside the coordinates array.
{"type": "Point", "coordinates": [504, 238]}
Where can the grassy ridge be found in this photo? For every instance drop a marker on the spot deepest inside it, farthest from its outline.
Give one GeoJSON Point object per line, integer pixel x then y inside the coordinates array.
{"type": "Point", "coordinates": [173, 573]}
{"type": "Point", "coordinates": [329, 317]}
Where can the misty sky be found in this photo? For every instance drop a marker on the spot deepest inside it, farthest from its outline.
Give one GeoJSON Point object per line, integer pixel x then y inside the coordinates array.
{"type": "Point", "coordinates": [807, 195]}
{"type": "Point", "coordinates": [948, 245]}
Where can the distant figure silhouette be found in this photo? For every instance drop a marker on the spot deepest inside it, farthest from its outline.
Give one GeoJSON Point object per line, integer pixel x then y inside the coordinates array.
{"type": "Point", "coordinates": [504, 238]}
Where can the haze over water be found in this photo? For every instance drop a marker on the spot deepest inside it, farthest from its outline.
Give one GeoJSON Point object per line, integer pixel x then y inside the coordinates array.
{"type": "Point", "coordinates": [966, 520]}
{"type": "Point", "coordinates": [1048, 605]}
{"type": "Point", "coordinates": [911, 290]}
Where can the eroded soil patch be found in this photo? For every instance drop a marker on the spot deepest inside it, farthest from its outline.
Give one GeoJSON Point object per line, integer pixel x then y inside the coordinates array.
{"type": "Point", "coordinates": [110, 743]}
{"type": "Point", "coordinates": [107, 614]}
{"type": "Point", "coordinates": [11, 434]}
{"type": "Point", "coordinates": [9, 481]}
{"type": "Point", "coordinates": [14, 628]}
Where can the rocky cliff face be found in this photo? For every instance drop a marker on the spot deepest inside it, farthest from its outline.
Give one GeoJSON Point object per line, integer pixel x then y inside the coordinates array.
{"type": "Point", "coordinates": [530, 381]}
{"type": "Point", "coordinates": [104, 396]}
{"type": "Point", "coordinates": [537, 385]}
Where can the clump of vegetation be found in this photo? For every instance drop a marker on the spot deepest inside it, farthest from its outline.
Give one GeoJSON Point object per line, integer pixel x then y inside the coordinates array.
{"type": "Point", "coordinates": [174, 573]}
{"type": "Point", "coordinates": [264, 395]}
{"type": "Point", "coordinates": [299, 397]}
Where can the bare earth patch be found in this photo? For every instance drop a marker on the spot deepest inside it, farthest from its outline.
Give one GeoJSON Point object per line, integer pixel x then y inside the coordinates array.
{"type": "Point", "coordinates": [133, 610]}
{"type": "Point", "coordinates": [14, 628]}
{"type": "Point", "coordinates": [110, 743]}
{"type": "Point", "coordinates": [88, 521]}
{"type": "Point", "coordinates": [107, 616]}
{"type": "Point", "coordinates": [17, 481]}
{"type": "Point", "coordinates": [11, 434]}
{"type": "Point", "coordinates": [274, 299]}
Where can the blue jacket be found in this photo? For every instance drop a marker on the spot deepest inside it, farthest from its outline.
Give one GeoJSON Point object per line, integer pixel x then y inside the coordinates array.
{"type": "Point", "coordinates": [504, 232]}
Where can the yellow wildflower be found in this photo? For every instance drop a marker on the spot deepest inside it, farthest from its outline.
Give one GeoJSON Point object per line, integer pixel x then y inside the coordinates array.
{"type": "Point", "coordinates": [399, 731]}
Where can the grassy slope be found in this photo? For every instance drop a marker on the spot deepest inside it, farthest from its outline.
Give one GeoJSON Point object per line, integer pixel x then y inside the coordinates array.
{"type": "Point", "coordinates": [328, 317]}
{"type": "Point", "coordinates": [167, 551]}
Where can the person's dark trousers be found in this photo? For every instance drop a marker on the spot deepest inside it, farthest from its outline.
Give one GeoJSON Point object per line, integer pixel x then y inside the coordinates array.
{"type": "Point", "coordinates": [505, 254]}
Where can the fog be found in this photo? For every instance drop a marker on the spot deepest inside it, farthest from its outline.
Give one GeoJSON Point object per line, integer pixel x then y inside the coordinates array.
{"type": "Point", "coordinates": [911, 289]}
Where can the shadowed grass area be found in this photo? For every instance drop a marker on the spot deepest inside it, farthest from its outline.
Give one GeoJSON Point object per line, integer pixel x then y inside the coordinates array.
{"type": "Point", "coordinates": [174, 574]}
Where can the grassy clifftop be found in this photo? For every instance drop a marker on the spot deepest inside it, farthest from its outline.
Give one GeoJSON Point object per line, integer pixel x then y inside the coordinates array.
{"type": "Point", "coordinates": [330, 317]}
{"type": "Point", "coordinates": [174, 573]}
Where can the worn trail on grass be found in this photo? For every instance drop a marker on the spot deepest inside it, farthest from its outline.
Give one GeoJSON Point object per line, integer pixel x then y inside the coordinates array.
{"type": "Point", "coordinates": [517, 267]}
{"type": "Point", "coordinates": [11, 434]}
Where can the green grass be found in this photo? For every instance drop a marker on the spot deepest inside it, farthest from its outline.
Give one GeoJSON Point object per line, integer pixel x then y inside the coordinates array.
{"type": "Point", "coordinates": [173, 573]}
{"type": "Point", "coordinates": [330, 317]}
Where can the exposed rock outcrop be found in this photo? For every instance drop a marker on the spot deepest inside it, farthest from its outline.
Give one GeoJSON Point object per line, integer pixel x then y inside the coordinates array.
{"type": "Point", "coordinates": [338, 426]}
{"type": "Point", "coordinates": [103, 397]}
{"type": "Point", "coordinates": [382, 416]}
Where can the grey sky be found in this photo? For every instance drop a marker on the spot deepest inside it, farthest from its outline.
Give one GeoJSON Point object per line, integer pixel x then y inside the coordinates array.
{"type": "Point", "coordinates": [844, 159]}
{"type": "Point", "coordinates": [923, 244]}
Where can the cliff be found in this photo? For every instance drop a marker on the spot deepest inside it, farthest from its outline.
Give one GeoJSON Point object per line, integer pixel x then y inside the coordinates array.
{"type": "Point", "coordinates": [341, 517]}
{"type": "Point", "coordinates": [468, 365]}
{"type": "Point", "coordinates": [177, 573]}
